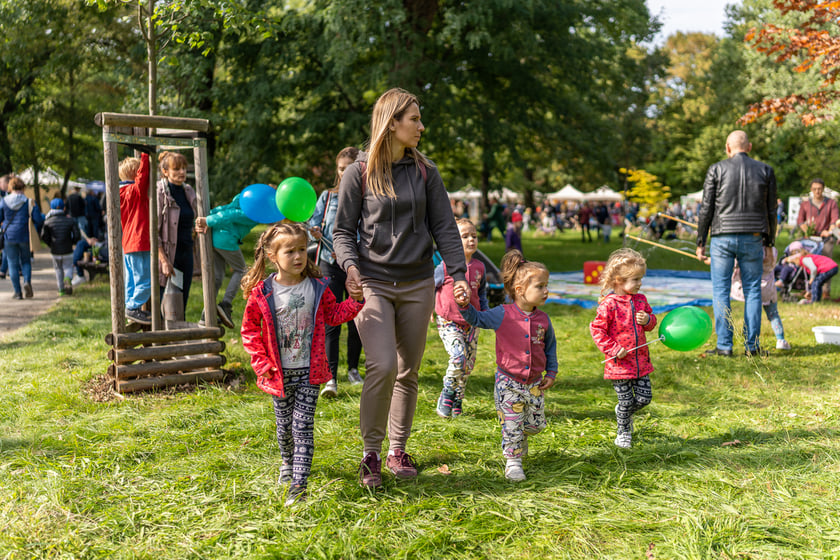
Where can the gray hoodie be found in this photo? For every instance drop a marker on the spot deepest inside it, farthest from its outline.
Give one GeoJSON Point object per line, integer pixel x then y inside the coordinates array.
{"type": "Point", "coordinates": [395, 236]}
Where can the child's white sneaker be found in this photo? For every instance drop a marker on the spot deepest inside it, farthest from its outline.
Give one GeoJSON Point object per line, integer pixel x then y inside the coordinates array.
{"type": "Point", "coordinates": [77, 280]}
{"type": "Point", "coordinates": [624, 440]}
{"type": "Point", "coordinates": [782, 345]}
{"type": "Point", "coordinates": [513, 470]}
{"type": "Point", "coordinates": [330, 389]}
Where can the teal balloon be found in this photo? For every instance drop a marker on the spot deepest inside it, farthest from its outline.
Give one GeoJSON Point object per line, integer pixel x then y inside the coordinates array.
{"type": "Point", "coordinates": [685, 328]}
{"type": "Point", "coordinates": [296, 199]}
{"type": "Point", "coordinates": [257, 202]}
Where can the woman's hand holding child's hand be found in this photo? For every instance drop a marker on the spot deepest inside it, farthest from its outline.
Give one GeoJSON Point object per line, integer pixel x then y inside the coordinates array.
{"type": "Point", "coordinates": [642, 318]}
{"type": "Point", "coordinates": [354, 284]}
{"type": "Point", "coordinates": [461, 291]}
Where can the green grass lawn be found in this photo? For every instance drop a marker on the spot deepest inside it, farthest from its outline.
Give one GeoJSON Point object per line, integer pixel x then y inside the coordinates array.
{"type": "Point", "coordinates": [735, 458]}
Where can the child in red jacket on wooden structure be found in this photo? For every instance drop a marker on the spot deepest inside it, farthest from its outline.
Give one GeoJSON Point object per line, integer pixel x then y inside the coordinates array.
{"type": "Point", "coordinates": [283, 329]}
{"type": "Point", "coordinates": [619, 332]}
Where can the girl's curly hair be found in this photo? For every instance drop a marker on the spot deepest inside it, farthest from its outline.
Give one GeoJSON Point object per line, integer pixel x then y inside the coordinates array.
{"type": "Point", "coordinates": [622, 264]}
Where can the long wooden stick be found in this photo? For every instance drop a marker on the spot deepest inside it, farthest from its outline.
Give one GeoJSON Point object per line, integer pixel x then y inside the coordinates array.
{"type": "Point", "coordinates": [660, 245]}
{"type": "Point", "coordinates": [664, 215]}
{"type": "Point", "coordinates": [636, 348]}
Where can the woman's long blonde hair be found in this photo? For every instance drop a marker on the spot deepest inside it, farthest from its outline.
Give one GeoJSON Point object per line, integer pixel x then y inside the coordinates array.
{"type": "Point", "coordinates": [391, 105]}
{"type": "Point", "coordinates": [621, 265]}
{"type": "Point", "coordinates": [267, 245]}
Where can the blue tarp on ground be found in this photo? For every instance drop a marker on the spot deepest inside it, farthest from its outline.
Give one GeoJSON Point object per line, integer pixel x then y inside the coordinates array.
{"type": "Point", "coordinates": [664, 289]}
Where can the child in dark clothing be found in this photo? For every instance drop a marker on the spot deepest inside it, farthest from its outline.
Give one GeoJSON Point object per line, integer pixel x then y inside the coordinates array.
{"type": "Point", "coordinates": [60, 233]}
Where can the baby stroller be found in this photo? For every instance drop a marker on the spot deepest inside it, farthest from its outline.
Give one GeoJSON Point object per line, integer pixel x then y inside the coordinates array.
{"type": "Point", "coordinates": [792, 277]}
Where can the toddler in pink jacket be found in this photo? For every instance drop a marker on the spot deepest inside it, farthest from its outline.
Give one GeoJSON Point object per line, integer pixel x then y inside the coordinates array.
{"type": "Point", "coordinates": [618, 330]}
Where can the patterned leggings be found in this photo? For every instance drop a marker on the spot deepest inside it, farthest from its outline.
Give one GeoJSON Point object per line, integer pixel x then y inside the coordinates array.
{"type": "Point", "coordinates": [295, 415]}
{"type": "Point", "coordinates": [461, 343]}
{"type": "Point", "coordinates": [521, 411]}
{"type": "Point", "coordinates": [633, 395]}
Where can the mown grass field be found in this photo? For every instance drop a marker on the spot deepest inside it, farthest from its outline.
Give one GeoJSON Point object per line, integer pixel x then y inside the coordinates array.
{"type": "Point", "coordinates": [735, 458]}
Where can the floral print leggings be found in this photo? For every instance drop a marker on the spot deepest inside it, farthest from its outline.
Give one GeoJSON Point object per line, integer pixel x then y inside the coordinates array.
{"type": "Point", "coordinates": [521, 411]}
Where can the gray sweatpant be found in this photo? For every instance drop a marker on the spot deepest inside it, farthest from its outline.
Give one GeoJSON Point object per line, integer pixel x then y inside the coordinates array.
{"type": "Point", "coordinates": [237, 264]}
{"type": "Point", "coordinates": [393, 326]}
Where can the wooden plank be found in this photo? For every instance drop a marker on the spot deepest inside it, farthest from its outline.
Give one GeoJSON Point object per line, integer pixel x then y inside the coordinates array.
{"type": "Point", "coordinates": [129, 355]}
{"type": "Point", "coordinates": [151, 121]}
{"type": "Point", "coordinates": [146, 383]}
{"type": "Point", "coordinates": [145, 369]}
{"type": "Point", "coordinates": [115, 254]}
{"type": "Point", "coordinates": [128, 340]}
{"type": "Point", "coordinates": [205, 243]}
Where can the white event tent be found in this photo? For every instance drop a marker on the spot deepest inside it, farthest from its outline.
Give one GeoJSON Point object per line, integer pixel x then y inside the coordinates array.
{"type": "Point", "coordinates": [566, 193]}
{"type": "Point", "coordinates": [603, 194]}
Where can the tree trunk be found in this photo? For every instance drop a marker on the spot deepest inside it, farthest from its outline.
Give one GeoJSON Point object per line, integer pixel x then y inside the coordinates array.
{"type": "Point", "coordinates": [151, 52]}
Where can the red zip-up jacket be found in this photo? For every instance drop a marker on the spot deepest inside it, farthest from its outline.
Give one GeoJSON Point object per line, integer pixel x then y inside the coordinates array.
{"type": "Point", "coordinates": [615, 327]}
{"type": "Point", "coordinates": [259, 336]}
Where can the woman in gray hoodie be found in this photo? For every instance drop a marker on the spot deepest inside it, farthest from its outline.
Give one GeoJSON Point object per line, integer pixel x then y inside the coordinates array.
{"type": "Point", "coordinates": [393, 196]}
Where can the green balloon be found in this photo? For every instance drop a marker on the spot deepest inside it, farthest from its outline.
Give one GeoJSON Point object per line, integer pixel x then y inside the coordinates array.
{"type": "Point", "coordinates": [685, 328]}
{"type": "Point", "coordinates": [296, 199]}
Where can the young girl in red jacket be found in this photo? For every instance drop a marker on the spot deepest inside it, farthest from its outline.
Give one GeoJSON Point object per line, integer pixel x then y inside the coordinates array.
{"type": "Point", "coordinates": [618, 329]}
{"type": "Point", "coordinates": [283, 328]}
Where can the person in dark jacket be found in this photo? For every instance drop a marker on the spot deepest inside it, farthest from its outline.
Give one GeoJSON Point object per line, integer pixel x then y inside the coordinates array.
{"type": "Point", "coordinates": [93, 214]}
{"type": "Point", "coordinates": [20, 235]}
{"type": "Point", "coordinates": [738, 212]}
{"type": "Point", "coordinates": [61, 233]}
{"type": "Point", "coordinates": [76, 207]}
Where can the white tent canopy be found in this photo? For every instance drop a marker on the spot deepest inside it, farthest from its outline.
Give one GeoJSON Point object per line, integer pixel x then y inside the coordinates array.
{"type": "Point", "coordinates": [48, 177]}
{"type": "Point", "coordinates": [695, 196]}
{"type": "Point", "coordinates": [566, 193]}
{"type": "Point", "coordinates": [604, 194]}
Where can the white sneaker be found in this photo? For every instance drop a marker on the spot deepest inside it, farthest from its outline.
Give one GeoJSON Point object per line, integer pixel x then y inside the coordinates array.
{"type": "Point", "coordinates": [782, 345]}
{"type": "Point", "coordinates": [78, 280]}
{"type": "Point", "coordinates": [624, 440]}
{"type": "Point", "coordinates": [330, 389]}
{"type": "Point", "coordinates": [513, 470]}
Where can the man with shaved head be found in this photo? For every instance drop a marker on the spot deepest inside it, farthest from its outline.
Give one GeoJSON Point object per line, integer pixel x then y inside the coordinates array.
{"type": "Point", "coordinates": [738, 214]}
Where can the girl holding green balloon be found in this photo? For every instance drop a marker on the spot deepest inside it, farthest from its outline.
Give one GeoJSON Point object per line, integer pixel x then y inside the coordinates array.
{"type": "Point", "coordinates": [618, 330]}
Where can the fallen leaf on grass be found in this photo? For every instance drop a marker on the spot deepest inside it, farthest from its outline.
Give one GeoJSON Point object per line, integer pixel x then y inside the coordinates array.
{"type": "Point", "coordinates": [649, 553]}
{"type": "Point", "coordinates": [444, 469]}
{"type": "Point", "coordinates": [731, 443]}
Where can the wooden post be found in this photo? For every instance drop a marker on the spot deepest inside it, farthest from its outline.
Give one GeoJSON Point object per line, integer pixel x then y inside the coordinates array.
{"type": "Point", "coordinates": [205, 243]}
{"type": "Point", "coordinates": [154, 243]}
{"type": "Point", "coordinates": [115, 256]}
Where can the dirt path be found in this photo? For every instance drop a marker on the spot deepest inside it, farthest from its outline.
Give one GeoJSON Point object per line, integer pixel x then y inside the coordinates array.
{"type": "Point", "coordinates": [16, 313]}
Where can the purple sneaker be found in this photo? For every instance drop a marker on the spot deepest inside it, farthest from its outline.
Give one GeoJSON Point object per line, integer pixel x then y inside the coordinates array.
{"type": "Point", "coordinates": [370, 471]}
{"type": "Point", "coordinates": [401, 464]}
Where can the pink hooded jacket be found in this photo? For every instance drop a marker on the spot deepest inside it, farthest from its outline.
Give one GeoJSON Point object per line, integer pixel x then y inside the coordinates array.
{"type": "Point", "coordinates": [615, 327]}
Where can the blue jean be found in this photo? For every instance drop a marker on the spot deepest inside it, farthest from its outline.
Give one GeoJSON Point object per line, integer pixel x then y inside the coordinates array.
{"type": "Point", "coordinates": [819, 280]}
{"type": "Point", "coordinates": [19, 260]}
{"type": "Point", "coordinates": [748, 249]}
{"type": "Point", "coordinates": [772, 312]}
{"type": "Point", "coordinates": [138, 279]}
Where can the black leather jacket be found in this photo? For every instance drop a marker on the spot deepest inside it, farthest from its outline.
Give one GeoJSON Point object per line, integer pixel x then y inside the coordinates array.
{"type": "Point", "coordinates": [739, 196]}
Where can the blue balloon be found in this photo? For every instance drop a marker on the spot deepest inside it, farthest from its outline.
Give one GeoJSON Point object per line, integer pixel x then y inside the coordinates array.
{"type": "Point", "coordinates": [257, 201]}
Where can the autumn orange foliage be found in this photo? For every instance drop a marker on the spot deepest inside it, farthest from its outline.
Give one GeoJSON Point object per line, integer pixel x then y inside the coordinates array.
{"type": "Point", "coordinates": [811, 45]}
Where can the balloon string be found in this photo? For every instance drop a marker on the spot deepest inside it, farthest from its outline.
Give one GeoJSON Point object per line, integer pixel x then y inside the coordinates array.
{"type": "Point", "coordinates": [636, 348]}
